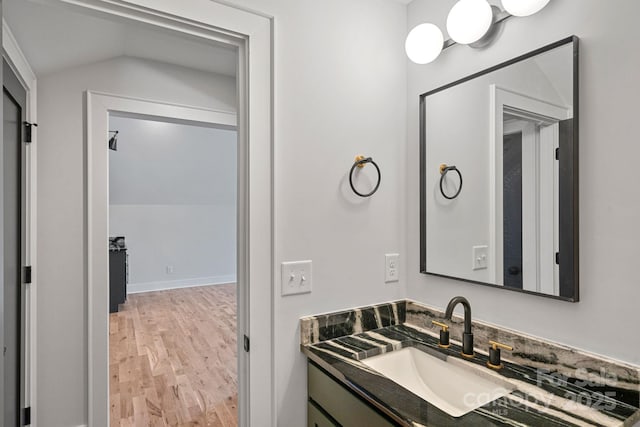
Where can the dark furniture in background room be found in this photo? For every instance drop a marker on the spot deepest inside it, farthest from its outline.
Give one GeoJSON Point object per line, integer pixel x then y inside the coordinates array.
{"type": "Point", "coordinates": [117, 273]}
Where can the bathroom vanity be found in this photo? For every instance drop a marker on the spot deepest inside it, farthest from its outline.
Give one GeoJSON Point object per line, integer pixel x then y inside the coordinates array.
{"type": "Point", "coordinates": [540, 383]}
{"type": "Point", "coordinates": [332, 404]}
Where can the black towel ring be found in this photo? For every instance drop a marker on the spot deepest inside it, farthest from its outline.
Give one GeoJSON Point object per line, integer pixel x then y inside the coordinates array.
{"type": "Point", "coordinates": [444, 169]}
{"type": "Point", "coordinates": [360, 162]}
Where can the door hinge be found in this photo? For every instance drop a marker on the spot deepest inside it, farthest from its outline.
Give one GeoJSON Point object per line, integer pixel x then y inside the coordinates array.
{"type": "Point", "coordinates": [27, 416]}
{"type": "Point", "coordinates": [27, 274]}
{"type": "Point", "coordinates": [558, 258]}
{"type": "Point", "coordinates": [557, 153]}
{"type": "Point", "coordinates": [246, 343]}
{"type": "Point", "coordinates": [28, 127]}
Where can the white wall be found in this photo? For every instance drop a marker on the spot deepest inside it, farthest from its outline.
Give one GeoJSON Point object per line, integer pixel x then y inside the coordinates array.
{"type": "Point", "coordinates": [609, 203]}
{"type": "Point", "coordinates": [340, 90]}
{"type": "Point", "coordinates": [172, 194]}
{"type": "Point", "coordinates": [62, 330]}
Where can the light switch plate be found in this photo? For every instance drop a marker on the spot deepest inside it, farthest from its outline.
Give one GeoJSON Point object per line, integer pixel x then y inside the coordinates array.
{"type": "Point", "coordinates": [391, 268]}
{"type": "Point", "coordinates": [480, 259]}
{"type": "Point", "coordinates": [296, 277]}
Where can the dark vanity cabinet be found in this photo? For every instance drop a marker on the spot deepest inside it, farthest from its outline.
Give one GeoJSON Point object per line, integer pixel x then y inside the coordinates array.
{"type": "Point", "coordinates": [331, 404]}
{"type": "Point", "coordinates": [316, 418]}
{"type": "Point", "coordinates": [117, 274]}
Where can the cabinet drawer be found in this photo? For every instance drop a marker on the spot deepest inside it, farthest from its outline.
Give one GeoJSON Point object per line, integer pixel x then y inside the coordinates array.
{"type": "Point", "coordinates": [341, 404]}
{"type": "Point", "coordinates": [315, 418]}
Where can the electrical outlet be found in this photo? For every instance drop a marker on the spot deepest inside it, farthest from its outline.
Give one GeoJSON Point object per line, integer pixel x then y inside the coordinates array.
{"type": "Point", "coordinates": [480, 257]}
{"type": "Point", "coordinates": [169, 269]}
{"type": "Point", "coordinates": [296, 278]}
{"type": "Point", "coordinates": [391, 268]}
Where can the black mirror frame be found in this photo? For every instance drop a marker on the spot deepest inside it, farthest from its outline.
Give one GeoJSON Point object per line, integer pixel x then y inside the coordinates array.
{"type": "Point", "coordinates": [568, 258]}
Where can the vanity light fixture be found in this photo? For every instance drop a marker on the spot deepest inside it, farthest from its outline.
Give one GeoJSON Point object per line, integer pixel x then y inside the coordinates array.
{"type": "Point", "coordinates": [471, 22]}
{"type": "Point", "coordinates": [424, 43]}
{"type": "Point", "coordinates": [523, 7]}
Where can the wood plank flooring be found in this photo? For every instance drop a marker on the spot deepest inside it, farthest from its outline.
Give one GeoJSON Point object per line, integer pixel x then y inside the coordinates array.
{"type": "Point", "coordinates": [173, 359]}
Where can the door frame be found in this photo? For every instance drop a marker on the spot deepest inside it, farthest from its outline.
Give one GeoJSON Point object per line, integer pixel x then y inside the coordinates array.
{"type": "Point", "coordinates": [99, 107]}
{"type": "Point", "coordinates": [17, 61]}
{"type": "Point", "coordinates": [539, 173]}
{"type": "Point", "coordinates": [499, 99]}
{"type": "Point", "coordinates": [251, 34]}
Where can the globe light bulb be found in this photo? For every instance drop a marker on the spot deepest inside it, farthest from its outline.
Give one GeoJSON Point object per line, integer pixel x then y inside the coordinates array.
{"type": "Point", "coordinates": [523, 7]}
{"type": "Point", "coordinates": [424, 43]}
{"type": "Point", "coordinates": [469, 20]}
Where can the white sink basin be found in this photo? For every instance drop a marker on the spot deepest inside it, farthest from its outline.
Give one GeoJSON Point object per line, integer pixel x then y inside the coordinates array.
{"type": "Point", "coordinates": [449, 385]}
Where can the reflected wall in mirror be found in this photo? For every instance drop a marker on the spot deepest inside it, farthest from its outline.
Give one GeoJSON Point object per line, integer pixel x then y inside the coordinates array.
{"type": "Point", "coordinates": [511, 133]}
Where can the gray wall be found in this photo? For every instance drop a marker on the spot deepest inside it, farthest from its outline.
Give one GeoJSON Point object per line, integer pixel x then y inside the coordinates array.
{"type": "Point", "coordinates": [172, 194]}
{"type": "Point", "coordinates": [340, 91]}
{"type": "Point", "coordinates": [609, 201]}
{"type": "Point", "coordinates": [62, 330]}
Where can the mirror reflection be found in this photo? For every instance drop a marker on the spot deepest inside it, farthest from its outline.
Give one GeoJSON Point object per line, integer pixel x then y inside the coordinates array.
{"type": "Point", "coordinates": [498, 199]}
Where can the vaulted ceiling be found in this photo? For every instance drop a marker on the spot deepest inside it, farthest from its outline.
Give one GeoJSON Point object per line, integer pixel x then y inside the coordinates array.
{"type": "Point", "coordinates": [54, 38]}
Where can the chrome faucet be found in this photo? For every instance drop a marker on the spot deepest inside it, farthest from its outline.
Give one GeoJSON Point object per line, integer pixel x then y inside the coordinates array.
{"type": "Point", "coordinates": [467, 336]}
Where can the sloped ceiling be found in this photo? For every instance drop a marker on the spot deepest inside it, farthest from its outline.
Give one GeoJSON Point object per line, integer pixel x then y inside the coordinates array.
{"type": "Point", "coordinates": [55, 38]}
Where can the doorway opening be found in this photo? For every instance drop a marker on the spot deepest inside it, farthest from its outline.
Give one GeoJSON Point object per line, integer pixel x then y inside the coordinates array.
{"type": "Point", "coordinates": [73, 60]}
{"type": "Point", "coordinates": [524, 143]}
{"type": "Point", "coordinates": [172, 272]}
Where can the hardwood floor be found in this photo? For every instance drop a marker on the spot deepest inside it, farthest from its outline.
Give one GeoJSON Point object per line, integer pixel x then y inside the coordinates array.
{"type": "Point", "coordinates": [172, 359]}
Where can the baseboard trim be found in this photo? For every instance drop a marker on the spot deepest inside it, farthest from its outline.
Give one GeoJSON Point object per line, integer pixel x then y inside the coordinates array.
{"type": "Point", "coordinates": [136, 288]}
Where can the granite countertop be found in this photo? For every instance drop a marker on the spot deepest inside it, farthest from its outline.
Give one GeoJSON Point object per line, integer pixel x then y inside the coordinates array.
{"type": "Point", "coordinates": [600, 393]}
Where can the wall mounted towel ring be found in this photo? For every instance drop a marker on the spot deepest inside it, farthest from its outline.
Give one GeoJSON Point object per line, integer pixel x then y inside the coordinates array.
{"type": "Point", "coordinates": [444, 169]}
{"type": "Point", "coordinates": [361, 162]}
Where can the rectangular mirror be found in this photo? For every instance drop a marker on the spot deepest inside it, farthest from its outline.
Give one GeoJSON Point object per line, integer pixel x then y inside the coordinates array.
{"type": "Point", "coordinates": [499, 175]}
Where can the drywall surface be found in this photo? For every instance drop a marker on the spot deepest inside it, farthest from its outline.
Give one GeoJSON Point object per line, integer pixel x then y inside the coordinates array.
{"type": "Point", "coordinates": [62, 329]}
{"type": "Point", "coordinates": [609, 203]}
{"type": "Point", "coordinates": [340, 91]}
{"type": "Point", "coordinates": [172, 194]}
{"type": "Point", "coordinates": [174, 246]}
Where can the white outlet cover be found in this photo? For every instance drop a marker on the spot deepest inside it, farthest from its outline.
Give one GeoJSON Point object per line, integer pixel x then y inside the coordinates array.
{"type": "Point", "coordinates": [391, 268]}
{"type": "Point", "coordinates": [296, 277]}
